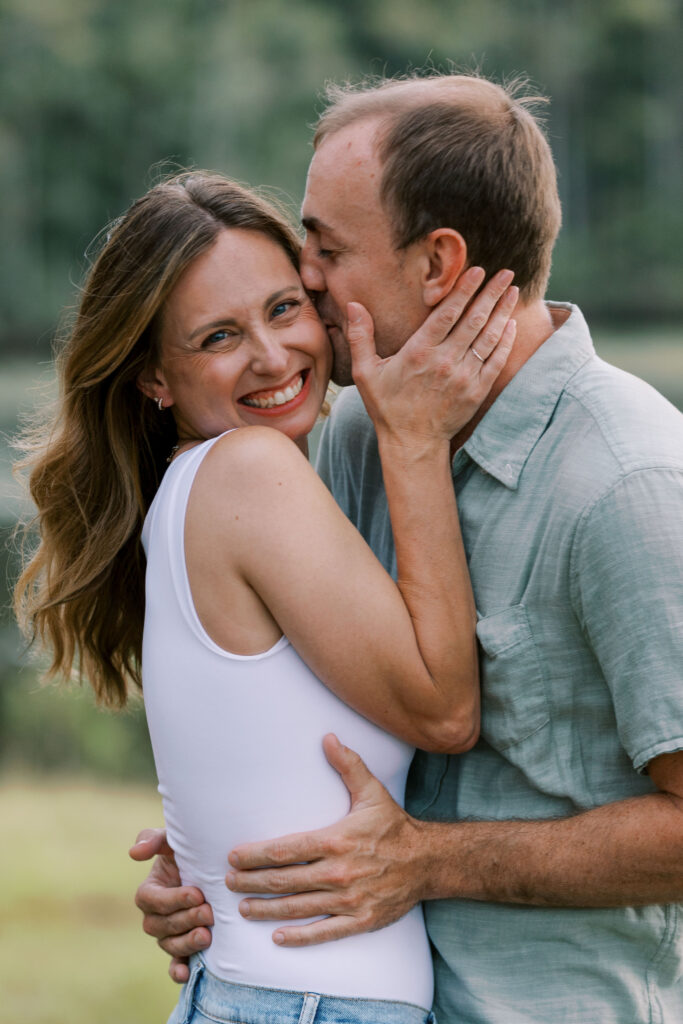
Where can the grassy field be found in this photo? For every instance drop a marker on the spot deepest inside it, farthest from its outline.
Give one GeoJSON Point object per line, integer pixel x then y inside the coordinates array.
{"type": "Point", "coordinates": [71, 946]}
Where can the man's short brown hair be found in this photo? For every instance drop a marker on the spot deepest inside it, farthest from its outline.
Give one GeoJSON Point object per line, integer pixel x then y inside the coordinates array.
{"type": "Point", "coordinates": [460, 151]}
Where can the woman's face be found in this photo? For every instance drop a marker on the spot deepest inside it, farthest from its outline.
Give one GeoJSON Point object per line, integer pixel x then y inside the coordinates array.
{"type": "Point", "coordinates": [241, 343]}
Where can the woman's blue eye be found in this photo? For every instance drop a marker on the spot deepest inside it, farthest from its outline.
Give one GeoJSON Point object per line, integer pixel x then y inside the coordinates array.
{"type": "Point", "coordinates": [216, 337]}
{"type": "Point", "coordinates": [283, 307]}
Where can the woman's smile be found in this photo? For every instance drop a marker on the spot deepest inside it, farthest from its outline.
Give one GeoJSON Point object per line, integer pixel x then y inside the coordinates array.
{"type": "Point", "coordinates": [282, 398]}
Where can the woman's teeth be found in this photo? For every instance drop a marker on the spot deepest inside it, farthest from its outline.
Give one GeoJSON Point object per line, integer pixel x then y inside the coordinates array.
{"type": "Point", "coordinates": [277, 397]}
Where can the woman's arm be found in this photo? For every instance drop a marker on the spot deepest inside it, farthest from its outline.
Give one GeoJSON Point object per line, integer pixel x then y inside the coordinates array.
{"type": "Point", "coordinates": [404, 656]}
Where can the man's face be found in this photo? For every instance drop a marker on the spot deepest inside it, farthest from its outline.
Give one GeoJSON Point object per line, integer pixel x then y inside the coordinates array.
{"type": "Point", "coordinates": [349, 253]}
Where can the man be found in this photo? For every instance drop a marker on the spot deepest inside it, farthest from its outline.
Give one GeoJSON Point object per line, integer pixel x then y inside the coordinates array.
{"type": "Point", "coordinates": [551, 863]}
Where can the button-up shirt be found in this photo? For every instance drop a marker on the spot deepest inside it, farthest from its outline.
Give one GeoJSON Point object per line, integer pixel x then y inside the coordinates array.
{"type": "Point", "coordinates": [570, 495]}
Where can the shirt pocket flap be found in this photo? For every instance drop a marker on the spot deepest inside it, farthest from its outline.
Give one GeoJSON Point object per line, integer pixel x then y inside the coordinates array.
{"type": "Point", "coordinates": [514, 700]}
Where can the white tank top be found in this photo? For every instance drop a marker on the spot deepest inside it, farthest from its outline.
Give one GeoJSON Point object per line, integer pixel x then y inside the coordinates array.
{"type": "Point", "coordinates": [238, 748]}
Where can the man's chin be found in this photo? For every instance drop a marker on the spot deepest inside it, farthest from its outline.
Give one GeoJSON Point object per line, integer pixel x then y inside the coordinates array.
{"type": "Point", "coordinates": [341, 357]}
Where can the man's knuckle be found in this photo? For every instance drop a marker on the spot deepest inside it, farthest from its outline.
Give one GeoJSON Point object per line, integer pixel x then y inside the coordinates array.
{"type": "Point", "coordinates": [366, 921]}
{"type": "Point", "coordinates": [349, 901]}
{"type": "Point", "coordinates": [279, 853]}
{"type": "Point", "coordinates": [333, 846]}
{"type": "Point", "coordinates": [339, 876]}
{"type": "Point", "coordinates": [281, 882]}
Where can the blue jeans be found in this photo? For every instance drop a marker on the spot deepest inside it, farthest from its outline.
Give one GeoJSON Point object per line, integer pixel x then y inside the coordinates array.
{"type": "Point", "coordinates": [205, 999]}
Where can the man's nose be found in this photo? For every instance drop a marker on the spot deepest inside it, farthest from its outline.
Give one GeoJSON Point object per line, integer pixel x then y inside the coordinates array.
{"type": "Point", "coordinates": [310, 270]}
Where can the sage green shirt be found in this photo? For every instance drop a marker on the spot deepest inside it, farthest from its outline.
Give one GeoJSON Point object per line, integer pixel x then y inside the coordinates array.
{"type": "Point", "coordinates": [570, 493]}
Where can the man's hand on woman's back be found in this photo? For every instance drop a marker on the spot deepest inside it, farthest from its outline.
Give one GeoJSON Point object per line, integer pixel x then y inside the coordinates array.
{"type": "Point", "coordinates": [175, 914]}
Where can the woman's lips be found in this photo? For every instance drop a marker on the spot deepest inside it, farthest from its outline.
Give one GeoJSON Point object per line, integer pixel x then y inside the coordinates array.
{"type": "Point", "coordinates": [287, 396]}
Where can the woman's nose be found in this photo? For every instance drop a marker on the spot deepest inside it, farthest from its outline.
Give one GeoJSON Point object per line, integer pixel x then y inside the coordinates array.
{"type": "Point", "coordinates": [269, 356]}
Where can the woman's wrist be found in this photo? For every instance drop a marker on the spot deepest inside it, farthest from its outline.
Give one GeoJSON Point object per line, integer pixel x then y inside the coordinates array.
{"type": "Point", "coordinates": [408, 449]}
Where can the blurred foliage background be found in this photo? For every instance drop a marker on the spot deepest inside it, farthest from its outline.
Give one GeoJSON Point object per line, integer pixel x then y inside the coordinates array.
{"type": "Point", "coordinates": [97, 100]}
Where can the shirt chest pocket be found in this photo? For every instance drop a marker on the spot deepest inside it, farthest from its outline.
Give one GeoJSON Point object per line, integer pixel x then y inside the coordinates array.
{"type": "Point", "coordinates": [514, 701]}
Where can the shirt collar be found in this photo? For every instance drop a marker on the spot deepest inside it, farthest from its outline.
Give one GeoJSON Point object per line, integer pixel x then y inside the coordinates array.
{"type": "Point", "coordinates": [504, 439]}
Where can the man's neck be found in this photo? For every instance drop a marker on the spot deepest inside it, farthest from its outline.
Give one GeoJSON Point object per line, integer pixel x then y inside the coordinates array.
{"type": "Point", "coordinates": [535, 324]}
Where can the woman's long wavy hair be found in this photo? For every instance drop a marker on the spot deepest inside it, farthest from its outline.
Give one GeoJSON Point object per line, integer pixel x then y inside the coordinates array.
{"type": "Point", "coordinates": [95, 464]}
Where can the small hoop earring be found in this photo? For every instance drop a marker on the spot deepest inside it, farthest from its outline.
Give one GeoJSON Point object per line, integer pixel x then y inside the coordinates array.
{"type": "Point", "coordinates": [160, 404]}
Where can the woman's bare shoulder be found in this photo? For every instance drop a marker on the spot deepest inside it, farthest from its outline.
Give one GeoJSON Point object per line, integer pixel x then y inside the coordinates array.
{"type": "Point", "coordinates": [248, 460]}
{"type": "Point", "coordinates": [248, 447]}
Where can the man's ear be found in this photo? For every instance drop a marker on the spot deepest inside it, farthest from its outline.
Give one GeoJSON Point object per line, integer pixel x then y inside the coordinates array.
{"type": "Point", "coordinates": [445, 258]}
{"type": "Point", "coordinates": [152, 383]}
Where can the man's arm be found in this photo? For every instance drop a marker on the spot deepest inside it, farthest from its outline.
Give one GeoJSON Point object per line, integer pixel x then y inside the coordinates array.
{"type": "Point", "coordinates": [373, 866]}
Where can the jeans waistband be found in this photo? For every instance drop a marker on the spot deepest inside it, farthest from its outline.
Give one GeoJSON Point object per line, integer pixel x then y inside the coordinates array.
{"type": "Point", "coordinates": [226, 1001]}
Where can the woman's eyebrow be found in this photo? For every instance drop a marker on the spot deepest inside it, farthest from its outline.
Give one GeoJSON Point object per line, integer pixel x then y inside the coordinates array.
{"type": "Point", "coordinates": [225, 320]}
{"type": "Point", "coordinates": [207, 327]}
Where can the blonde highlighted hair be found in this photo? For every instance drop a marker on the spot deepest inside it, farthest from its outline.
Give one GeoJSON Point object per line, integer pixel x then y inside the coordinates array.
{"type": "Point", "coordinates": [95, 464]}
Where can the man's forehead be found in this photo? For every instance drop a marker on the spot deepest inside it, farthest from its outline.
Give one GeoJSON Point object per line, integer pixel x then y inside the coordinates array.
{"type": "Point", "coordinates": [354, 144]}
{"type": "Point", "coordinates": [344, 176]}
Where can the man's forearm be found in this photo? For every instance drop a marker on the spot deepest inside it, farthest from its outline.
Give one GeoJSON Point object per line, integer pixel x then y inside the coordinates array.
{"type": "Point", "coordinates": [622, 854]}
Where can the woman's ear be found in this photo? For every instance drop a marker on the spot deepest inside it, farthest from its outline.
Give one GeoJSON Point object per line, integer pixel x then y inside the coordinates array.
{"type": "Point", "coordinates": [152, 383]}
{"type": "Point", "coordinates": [445, 255]}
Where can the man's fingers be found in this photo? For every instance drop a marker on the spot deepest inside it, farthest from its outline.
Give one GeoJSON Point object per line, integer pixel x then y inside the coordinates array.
{"type": "Point", "coordinates": [152, 898]}
{"type": "Point", "coordinates": [294, 849]}
{"type": "Point", "coordinates": [179, 970]}
{"type": "Point", "coordinates": [162, 927]}
{"type": "Point", "coordinates": [293, 878]}
{"type": "Point", "coordinates": [185, 945]}
{"type": "Point", "coordinates": [360, 783]}
{"type": "Point", "coordinates": [149, 843]}
{"type": "Point", "coordinates": [319, 931]}
{"type": "Point", "coordinates": [288, 908]}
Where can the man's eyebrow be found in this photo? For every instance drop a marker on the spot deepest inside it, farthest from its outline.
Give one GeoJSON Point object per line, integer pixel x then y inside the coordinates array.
{"type": "Point", "coordinates": [313, 224]}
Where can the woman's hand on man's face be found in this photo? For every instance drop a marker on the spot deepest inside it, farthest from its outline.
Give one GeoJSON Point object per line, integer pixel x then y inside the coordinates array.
{"type": "Point", "coordinates": [175, 914]}
{"type": "Point", "coordinates": [434, 384]}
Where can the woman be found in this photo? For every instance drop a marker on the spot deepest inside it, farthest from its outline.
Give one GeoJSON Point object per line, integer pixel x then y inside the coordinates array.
{"type": "Point", "coordinates": [194, 324]}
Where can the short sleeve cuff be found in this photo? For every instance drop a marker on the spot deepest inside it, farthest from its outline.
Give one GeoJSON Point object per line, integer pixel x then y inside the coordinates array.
{"type": "Point", "coordinates": [670, 746]}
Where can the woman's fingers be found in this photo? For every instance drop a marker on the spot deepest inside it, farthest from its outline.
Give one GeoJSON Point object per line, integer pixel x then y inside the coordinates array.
{"type": "Point", "coordinates": [490, 370]}
{"type": "Point", "coordinates": [444, 318]}
{"type": "Point", "coordinates": [494, 320]}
